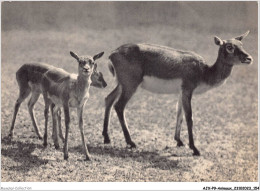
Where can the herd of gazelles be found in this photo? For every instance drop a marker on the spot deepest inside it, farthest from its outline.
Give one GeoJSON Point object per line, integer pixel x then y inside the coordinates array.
{"type": "Point", "coordinates": [156, 68]}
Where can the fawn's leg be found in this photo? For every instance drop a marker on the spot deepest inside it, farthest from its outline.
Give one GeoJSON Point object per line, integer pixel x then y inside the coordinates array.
{"type": "Point", "coordinates": [80, 113]}
{"type": "Point", "coordinates": [31, 103]}
{"type": "Point", "coordinates": [55, 122]}
{"type": "Point", "coordinates": [67, 124]}
{"type": "Point", "coordinates": [24, 92]}
{"type": "Point", "coordinates": [46, 115]}
{"type": "Point", "coordinates": [59, 125]}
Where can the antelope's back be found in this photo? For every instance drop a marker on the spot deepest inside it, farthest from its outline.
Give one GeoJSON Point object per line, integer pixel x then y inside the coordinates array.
{"type": "Point", "coordinates": [32, 72]}
{"type": "Point", "coordinates": [158, 61]}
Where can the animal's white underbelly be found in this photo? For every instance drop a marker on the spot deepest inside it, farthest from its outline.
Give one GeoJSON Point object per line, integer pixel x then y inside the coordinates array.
{"type": "Point", "coordinates": [201, 88]}
{"type": "Point", "coordinates": [172, 86]}
{"type": "Point", "coordinates": [161, 86]}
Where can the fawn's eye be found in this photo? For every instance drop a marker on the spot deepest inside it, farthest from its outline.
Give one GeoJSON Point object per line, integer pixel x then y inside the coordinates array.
{"type": "Point", "coordinates": [82, 63]}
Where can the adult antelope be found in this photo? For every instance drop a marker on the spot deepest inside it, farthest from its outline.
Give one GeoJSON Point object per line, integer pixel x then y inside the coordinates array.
{"type": "Point", "coordinates": [29, 77]}
{"type": "Point", "coordinates": [164, 70]}
{"type": "Point", "coordinates": [69, 91]}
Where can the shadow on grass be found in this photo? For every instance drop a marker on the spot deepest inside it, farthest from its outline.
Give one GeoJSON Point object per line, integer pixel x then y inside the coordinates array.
{"type": "Point", "coordinates": [21, 153]}
{"type": "Point", "coordinates": [152, 159]}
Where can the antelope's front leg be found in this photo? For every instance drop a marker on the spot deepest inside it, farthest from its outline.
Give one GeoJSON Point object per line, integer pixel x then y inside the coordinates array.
{"type": "Point", "coordinates": [80, 119]}
{"type": "Point", "coordinates": [67, 124]}
{"type": "Point", "coordinates": [186, 101]}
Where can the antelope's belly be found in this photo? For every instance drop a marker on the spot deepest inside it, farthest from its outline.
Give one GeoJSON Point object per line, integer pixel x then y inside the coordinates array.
{"type": "Point", "coordinates": [203, 87]}
{"type": "Point", "coordinates": [73, 102]}
{"type": "Point", "coordinates": [55, 100]}
{"type": "Point", "coordinates": [161, 86]}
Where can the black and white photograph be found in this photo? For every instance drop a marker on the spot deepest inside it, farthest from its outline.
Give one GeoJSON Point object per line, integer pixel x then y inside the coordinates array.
{"type": "Point", "coordinates": [129, 91]}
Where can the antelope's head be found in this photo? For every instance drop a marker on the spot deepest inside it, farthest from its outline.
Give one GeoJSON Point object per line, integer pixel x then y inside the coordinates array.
{"type": "Point", "coordinates": [97, 79]}
{"type": "Point", "coordinates": [232, 52]}
{"type": "Point", "coordinates": [88, 67]}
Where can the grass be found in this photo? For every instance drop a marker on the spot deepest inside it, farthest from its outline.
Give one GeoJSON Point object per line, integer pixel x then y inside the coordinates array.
{"type": "Point", "coordinates": [225, 118]}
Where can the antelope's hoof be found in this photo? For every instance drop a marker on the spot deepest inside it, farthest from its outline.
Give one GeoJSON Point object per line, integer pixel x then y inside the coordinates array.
{"type": "Point", "coordinates": [131, 145]}
{"type": "Point", "coordinates": [106, 140]}
{"type": "Point", "coordinates": [66, 157]}
{"type": "Point", "coordinates": [180, 144]}
{"type": "Point", "coordinates": [40, 137]}
{"type": "Point", "coordinates": [87, 158]}
{"type": "Point", "coordinates": [45, 145]}
{"type": "Point", "coordinates": [57, 147]}
{"type": "Point", "coordinates": [196, 152]}
{"type": "Point", "coordinates": [10, 135]}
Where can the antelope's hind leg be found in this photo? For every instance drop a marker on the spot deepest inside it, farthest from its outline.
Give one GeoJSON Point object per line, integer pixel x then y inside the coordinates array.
{"type": "Point", "coordinates": [126, 94]}
{"type": "Point", "coordinates": [55, 121]}
{"type": "Point", "coordinates": [179, 122]}
{"type": "Point", "coordinates": [31, 103]}
{"type": "Point", "coordinates": [23, 94]}
{"type": "Point", "coordinates": [109, 101]}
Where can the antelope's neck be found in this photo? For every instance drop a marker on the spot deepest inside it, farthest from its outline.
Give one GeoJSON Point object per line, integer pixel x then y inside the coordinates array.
{"type": "Point", "coordinates": [218, 73]}
{"type": "Point", "coordinates": [83, 85]}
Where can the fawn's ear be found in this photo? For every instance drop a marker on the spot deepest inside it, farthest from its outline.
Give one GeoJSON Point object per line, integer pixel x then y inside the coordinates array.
{"type": "Point", "coordinates": [74, 55]}
{"type": "Point", "coordinates": [242, 36]}
{"type": "Point", "coordinates": [98, 55]}
{"type": "Point", "coordinates": [218, 41]}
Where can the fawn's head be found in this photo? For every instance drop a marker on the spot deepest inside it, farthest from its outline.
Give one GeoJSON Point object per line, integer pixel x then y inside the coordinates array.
{"type": "Point", "coordinates": [231, 51]}
{"type": "Point", "coordinates": [97, 79]}
{"type": "Point", "coordinates": [87, 67]}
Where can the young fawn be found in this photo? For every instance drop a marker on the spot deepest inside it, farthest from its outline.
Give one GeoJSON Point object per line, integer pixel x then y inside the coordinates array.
{"type": "Point", "coordinates": [164, 70]}
{"type": "Point", "coordinates": [29, 77]}
{"type": "Point", "coordinates": [69, 91]}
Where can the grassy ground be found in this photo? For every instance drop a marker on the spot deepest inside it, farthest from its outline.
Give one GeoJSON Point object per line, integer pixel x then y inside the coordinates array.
{"type": "Point", "coordinates": [225, 119]}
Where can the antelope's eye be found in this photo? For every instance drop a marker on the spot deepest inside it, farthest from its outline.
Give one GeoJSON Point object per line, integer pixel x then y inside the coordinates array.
{"type": "Point", "coordinates": [230, 47]}
{"type": "Point", "coordinates": [83, 63]}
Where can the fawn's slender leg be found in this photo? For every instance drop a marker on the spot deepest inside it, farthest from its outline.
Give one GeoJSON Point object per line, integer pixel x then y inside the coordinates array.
{"type": "Point", "coordinates": [24, 92]}
{"type": "Point", "coordinates": [67, 124]}
{"type": "Point", "coordinates": [55, 119]}
{"type": "Point", "coordinates": [125, 96]}
{"type": "Point", "coordinates": [179, 122]}
{"type": "Point", "coordinates": [59, 125]}
{"type": "Point", "coordinates": [31, 103]}
{"type": "Point", "coordinates": [80, 112]}
{"type": "Point", "coordinates": [186, 101]}
{"type": "Point", "coordinates": [46, 115]}
{"type": "Point", "coordinates": [109, 101]}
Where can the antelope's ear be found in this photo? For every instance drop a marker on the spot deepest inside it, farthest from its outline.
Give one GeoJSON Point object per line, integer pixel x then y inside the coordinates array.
{"type": "Point", "coordinates": [98, 55]}
{"type": "Point", "coordinates": [74, 55]}
{"type": "Point", "coordinates": [218, 41]}
{"type": "Point", "coordinates": [242, 36]}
